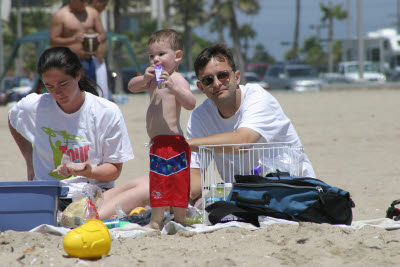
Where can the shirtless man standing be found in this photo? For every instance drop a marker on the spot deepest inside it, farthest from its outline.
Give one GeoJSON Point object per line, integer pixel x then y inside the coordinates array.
{"type": "Point", "coordinates": [68, 26]}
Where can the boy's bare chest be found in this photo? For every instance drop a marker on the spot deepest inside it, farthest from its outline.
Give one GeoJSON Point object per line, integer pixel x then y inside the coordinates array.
{"type": "Point", "coordinates": [162, 101]}
{"type": "Point", "coordinates": [163, 115]}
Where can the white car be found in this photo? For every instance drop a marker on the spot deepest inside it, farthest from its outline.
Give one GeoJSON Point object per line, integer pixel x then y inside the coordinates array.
{"type": "Point", "coordinates": [190, 76]}
{"type": "Point", "coordinates": [252, 77]}
{"type": "Point", "coordinates": [299, 77]}
{"type": "Point", "coordinates": [349, 70]}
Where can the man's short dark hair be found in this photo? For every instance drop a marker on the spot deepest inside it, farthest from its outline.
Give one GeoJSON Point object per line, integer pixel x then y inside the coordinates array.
{"type": "Point", "coordinates": [219, 52]}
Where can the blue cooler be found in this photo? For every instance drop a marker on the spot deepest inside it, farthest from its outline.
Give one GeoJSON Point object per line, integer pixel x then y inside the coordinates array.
{"type": "Point", "coordinates": [25, 205]}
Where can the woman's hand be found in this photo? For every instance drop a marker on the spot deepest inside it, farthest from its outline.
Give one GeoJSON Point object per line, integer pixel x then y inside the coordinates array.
{"type": "Point", "coordinates": [75, 169]}
{"type": "Point", "coordinates": [30, 172]}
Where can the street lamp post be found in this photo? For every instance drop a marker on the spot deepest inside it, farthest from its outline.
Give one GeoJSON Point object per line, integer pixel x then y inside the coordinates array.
{"type": "Point", "coordinates": [159, 14]}
{"type": "Point", "coordinates": [398, 16]}
{"type": "Point", "coordinates": [349, 34]}
{"type": "Point", "coordinates": [360, 40]}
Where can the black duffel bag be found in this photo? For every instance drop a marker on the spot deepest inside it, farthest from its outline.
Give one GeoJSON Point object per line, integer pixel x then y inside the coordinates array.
{"type": "Point", "coordinates": [283, 196]}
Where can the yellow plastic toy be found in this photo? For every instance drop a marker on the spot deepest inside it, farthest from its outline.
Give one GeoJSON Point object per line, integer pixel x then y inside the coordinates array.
{"type": "Point", "coordinates": [91, 240]}
{"type": "Point", "coordinates": [138, 210]}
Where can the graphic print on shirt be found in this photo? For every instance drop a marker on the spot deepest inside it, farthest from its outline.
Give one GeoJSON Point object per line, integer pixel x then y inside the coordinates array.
{"type": "Point", "coordinates": [61, 142]}
{"type": "Point", "coordinates": [169, 166]}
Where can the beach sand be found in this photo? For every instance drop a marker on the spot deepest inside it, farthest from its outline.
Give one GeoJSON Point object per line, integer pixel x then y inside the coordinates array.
{"type": "Point", "coordinates": [352, 138]}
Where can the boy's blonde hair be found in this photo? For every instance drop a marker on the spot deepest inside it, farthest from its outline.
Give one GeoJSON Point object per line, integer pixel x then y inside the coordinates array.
{"type": "Point", "coordinates": [171, 35]}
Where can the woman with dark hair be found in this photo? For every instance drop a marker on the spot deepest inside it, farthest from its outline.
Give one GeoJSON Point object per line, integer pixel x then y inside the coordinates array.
{"type": "Point", "coordinates": [70, 120]}
{"type": "Point", "coordinates": [62, 58]}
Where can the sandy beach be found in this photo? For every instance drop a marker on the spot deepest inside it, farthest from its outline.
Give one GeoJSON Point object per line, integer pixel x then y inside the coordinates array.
{"type": "Point", "coordinates": [352, 138]}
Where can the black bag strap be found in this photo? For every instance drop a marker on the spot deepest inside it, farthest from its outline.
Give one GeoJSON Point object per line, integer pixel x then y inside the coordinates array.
{"type": "Point", "coordinates": [393, 212]}
{"type": "Point", "coordinates": [265, 199]}
{"type": "Point", "coordinates": [278, 174]}
{"type": "Point", "coordinates": [218, 210]}
{"type": "Point", "coordinates": [290, 180]}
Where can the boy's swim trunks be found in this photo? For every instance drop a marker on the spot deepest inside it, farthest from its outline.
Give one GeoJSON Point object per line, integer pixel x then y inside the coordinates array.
{"type": "Point", "coordinates": [169, 171]}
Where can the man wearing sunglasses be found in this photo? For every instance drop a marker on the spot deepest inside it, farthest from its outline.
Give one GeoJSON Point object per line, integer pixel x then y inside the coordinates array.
{"type": "Point", "coordinates": [233, 113]}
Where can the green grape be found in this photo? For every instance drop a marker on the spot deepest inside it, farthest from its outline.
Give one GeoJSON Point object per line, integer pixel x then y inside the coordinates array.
{"type": "Point", "coordinates": [195, 220]}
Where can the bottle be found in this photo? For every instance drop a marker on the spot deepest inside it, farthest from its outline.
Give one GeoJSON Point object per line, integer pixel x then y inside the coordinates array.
{"type": "Point", "coordinates": [121, 99]}
{"type": "Point", "coordinates": [257, 170]}
{"type": "Point", "coordinates": [211, 195]}
{"type": "Point", "coordinates": [158, 70]}
{"type": "Point", "coordinates": [220, 192]}
{"type": "Point", "coordinates": [228, 189]}
{"type": "Point", "coordinates": [114, 223]}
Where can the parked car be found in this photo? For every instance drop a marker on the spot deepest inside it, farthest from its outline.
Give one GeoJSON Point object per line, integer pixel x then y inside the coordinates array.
{"type": "Point", "coordinates": [17, 81]}
{"type": "Point", "coordinates": [15, 88]}
{"type": "Point", "coordinates": [350, 71]}
{"type": "Point", "coordinates": [127, 74]}
{"type": "Point", "coordinates": [393, 75]}
{"type": "Point", "coordinates": [293, 76]}
{"type": "Point", "coordinates": [252, 77]}
{"type": "Point", "coordinates": [190, 76]}
{"type": "Point", "coordinates": [260, 68]}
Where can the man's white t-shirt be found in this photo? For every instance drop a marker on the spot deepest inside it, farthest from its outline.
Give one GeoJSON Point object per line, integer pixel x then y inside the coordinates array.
{"type": "Point", "coordinates": [96, 133]}
{"type": "Point", "coordinates": [259, 111]}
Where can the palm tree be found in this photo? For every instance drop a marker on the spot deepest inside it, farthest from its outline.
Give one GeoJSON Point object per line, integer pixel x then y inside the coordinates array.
{"type": "Point", "coordinates": [261, 55]}
{"type": "Point", "coordinates": [189, 14]}
{"type": "Point", "coordinates": [246, 32]}
{"type": "Point", "coordinates": [331, 13]}
{"type": "Point", "coordinates": [219, 21]}
{"type": "Point", "coordinates": [295, 47]}
{"type": "Point", "coordinates": [313, 53]}
{"type": "Point", "coordinates": [19, 62]}
{"type": "Point", "coordinates": [245, 6]}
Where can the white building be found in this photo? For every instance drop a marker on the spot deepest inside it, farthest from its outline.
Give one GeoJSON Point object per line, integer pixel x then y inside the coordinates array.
{"type": "Point", "coordinates": [381, 47]}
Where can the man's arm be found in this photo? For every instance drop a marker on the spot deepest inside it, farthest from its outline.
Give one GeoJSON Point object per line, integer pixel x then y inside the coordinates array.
{"type": "Point", "coordinates": [101, 34]}
{"type": "Point", "coordinates": [101, 52]}
{"type": "Point", "coordinates": [26, 149]}
{"type": "Point", "coordinates": [98, 26]}
{"type": "Point", "coordinates": [195, 185]}
{"type": "Point", "coordinates": [241, 136]}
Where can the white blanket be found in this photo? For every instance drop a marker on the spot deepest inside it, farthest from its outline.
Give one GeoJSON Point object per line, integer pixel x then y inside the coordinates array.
{"type": "Point", "coordinates": [171, 228]}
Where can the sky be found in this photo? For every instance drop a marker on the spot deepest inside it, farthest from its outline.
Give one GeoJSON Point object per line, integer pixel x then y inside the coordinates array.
{"type": "Point", "coordinates": [274, 23]}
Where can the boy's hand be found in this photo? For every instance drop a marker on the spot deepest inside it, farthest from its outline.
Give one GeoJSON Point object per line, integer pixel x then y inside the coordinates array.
{"type": "Point", "coordinates": [167, 81]}
{"type": "Point", "coordinates": [149, 74]}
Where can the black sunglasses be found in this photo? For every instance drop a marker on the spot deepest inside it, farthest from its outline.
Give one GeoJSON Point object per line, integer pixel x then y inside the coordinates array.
{"type": "Point", "coordinates": [222, 76]}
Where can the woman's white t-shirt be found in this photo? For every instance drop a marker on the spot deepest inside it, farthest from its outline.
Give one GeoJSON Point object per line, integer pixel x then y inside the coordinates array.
{"type": "Point", "coordinates": [96, 133]}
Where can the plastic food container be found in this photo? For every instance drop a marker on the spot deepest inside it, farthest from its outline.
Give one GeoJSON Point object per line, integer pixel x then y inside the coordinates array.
{"type": "Point", "coordinates": [25, 205]}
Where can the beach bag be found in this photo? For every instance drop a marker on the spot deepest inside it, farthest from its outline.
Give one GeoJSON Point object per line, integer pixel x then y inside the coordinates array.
{"type": "Point", "coordinates": [283, 196]}
{"type": "Point", "coordinates": [393, 212]}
